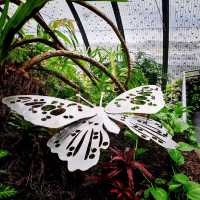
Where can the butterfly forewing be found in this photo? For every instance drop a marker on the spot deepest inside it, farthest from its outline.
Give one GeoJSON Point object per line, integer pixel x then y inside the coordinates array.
{"type": "Point", "coordinates": [145, 99]}
{"type": "Point", "coordinates": [48, 111]}
{"type": "Point", "coordinates": [146, 129]}
{"type": "Point", "coordinates": [80, 144]}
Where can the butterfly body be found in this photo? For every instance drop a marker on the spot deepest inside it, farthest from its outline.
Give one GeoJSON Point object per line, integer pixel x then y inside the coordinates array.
{"type": "Point", "coordinates": [84, 130]}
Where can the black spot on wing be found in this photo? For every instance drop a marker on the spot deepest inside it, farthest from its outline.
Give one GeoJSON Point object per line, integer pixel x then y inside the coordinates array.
{"type": "Point", "coordinates": [34, 103]}
{"type": "Point", "coordinates": [58, 111]}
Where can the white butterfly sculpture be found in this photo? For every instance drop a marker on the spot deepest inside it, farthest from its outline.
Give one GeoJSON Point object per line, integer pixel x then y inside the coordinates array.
{"type": "Point", "coordinates": [86, 129]}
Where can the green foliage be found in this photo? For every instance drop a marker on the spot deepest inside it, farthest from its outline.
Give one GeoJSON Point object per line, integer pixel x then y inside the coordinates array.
{"type": "Point", "coordinates": [16, 121]}
{"type": "Point", "coordinates": [112, 59]}
{"type": "Point", "coordinates": [7, 192]}
{"type": "Point", "coordinates": [185, 147]}
{"type": "Point", "coordinates": [193, 93]}
{"type": "Point", "coordinates": [3, 153]}
{"type": "Point", "coordinates": [171, 117]}
{"type": "Point", "coordinates": [151, 69]}
{"type": "Point", "coordinates": [64, 29]}
{"type": "Point", "coordinates": [23, 13]}
{"type": "Point", "coordinates": [19, 55]}
{"type": "Point", "coordinates": [180, 184]}
{"type": "Point", "coordinates": [193, 190]}
{"type": "Point", "coordinates": [4, 14]}
{"type": "Point", "coordinates": [157, 193]}
{"type": "Point", "coordinates": [176, 156]}
{"type": "Point", "coordinates": [178, 188]}
{"type": "Point", "coordinates": [173, 92]}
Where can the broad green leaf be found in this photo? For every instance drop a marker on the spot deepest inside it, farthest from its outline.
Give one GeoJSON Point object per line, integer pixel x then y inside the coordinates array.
{"type": "Point", "coordinates": [180, 126]}
{"type": "Point", "coordinates": [159, 193]}
{"type": "Point", "coordinates": [193, 138]}
{"type": "Point", "coordinates": [185, 147]}
{"type": "Point", "coordinates": [23, 13]}
{"type": "Point", "coordinates": [193, 190]}
{"type": "Point", "coordinates": [176, 156]}
{"type": "Point", "coordinates": [181, 178]}
{"type": "Point", "coordinates": [4, 14]}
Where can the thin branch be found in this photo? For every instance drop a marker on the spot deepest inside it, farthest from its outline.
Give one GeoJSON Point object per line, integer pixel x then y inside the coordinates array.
{"type": "Point", "coordinates": [39, 19]}
{"type": "Point", "coordinates": [60, 76]}
{"type": "Point", "coordinates": [34, 40]}
{"type": "Point", "coordinates": [115, 29]}
{"type": "Point", "coordinates": [37, 59]}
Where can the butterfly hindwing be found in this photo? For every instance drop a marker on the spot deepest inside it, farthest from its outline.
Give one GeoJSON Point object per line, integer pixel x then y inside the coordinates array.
{"type": "Point", "coordinates": [145, 99]}
{"type": "Point", "coordinates": [80, 144]}
{"type": "Point", "coordinates": [146, 129]}
{"type": "Point", "coordinates": [48, 111]}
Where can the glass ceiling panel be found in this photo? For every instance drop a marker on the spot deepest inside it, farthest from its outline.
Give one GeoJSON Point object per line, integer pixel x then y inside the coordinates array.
{"type": "Point", "coordinates": [98, 31]}
{"type": "Point", "coordinates": [142, 21]}
{"type": "Point", "coordinates": [184, 36]}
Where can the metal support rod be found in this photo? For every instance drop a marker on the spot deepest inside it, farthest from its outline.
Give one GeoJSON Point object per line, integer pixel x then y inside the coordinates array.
{"type": "Point", "coordinates": [118, 17]}
{"type": "Point", "coordinates": [165, 11]}
{"type": "Point", "coordinates": [79, 24]}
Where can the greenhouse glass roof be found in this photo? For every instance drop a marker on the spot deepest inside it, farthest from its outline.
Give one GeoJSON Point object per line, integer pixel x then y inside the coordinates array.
{"type": "Point", "coordinates": [142, 24]}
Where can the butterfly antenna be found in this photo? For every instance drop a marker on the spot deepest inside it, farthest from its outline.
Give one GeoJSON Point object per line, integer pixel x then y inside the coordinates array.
{"type": "Point", "coordinates": [101, 100]}
{"type": "Point", "coordinates": [78, 95]}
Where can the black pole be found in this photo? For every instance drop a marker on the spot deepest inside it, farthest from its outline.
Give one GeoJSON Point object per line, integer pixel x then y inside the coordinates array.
{"type": "Point", "coordinates": [118, 17]}
{"type": "Point", "coordinates": [79, 24]}
{"type": "Point", "coordinates": [165, 11]}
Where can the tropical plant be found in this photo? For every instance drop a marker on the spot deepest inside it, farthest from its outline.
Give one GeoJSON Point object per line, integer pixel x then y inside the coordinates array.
{"type": "Point", "coordinates": [178, 188]}
{"type": "Point", "coordinates": [173, 92]}
{"type": "Point", "coordinates": [9, 27]}
{"type": "Point", "coordinates": [171, 117]}
{"type": "Point", "coordinates": [193, 93]}
{"type": "Point", "coordinates": [113, 173]}
{"type": "Point", "coordinates": [6, 191]}
{"type": "Point", "coordinates": [151, 69]}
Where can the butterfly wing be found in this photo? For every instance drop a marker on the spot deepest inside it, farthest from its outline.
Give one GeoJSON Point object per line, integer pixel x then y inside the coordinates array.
{"type": "Point", "coordinates": [146, 129]}
{"type": "Point", "coordinates": [48, 111]}
{"type": "Point", "coordinates": [80, 143]}
{"type": "Point", "coordinates": [145, 99]}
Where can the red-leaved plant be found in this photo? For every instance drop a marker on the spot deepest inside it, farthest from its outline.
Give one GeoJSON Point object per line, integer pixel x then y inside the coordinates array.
{"type": "Point", "coordinates": [119, 173]}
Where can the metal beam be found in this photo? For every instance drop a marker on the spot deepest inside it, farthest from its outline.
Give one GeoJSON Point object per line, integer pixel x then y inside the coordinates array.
{"type": "Point", "coordinates": [118, 17]}
{"type": "Point", "coordinates": [165, 11]}
{"type": "Point", "coordinates": [79, 24]}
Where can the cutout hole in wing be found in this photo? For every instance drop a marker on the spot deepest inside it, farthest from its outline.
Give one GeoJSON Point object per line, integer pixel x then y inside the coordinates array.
{"type": "Point", "coordinates": [48, 107]}
{"type": "Point", "coordinates": [58, 112]}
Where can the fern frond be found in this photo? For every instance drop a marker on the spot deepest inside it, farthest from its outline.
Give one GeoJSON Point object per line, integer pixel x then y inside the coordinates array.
{"type": "Point", "coordinates": [7, 191]}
